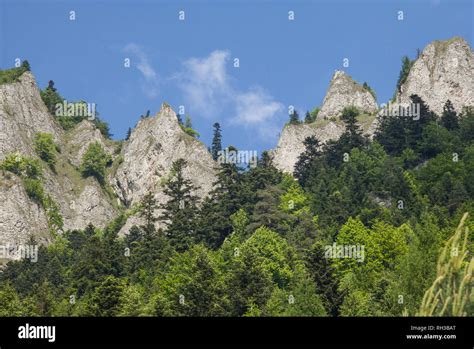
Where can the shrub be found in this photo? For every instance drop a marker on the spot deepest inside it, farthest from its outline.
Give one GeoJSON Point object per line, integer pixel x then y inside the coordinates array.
{"type": "Point", "coordinates": [45, 148]}
{"type": "Point", "coordinates": [11, 75]}
{"type": "Point", "coordinates": [95, 161]}
{"type": "Point", "coordinates": [21, 166]}
{"type": "Point", "coordinates": [34, 189]}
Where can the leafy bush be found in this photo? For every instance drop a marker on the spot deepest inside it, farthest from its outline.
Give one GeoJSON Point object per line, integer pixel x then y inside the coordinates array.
{"type": "Point", "coordinates": [45, 148]}
{"type": "Point", "coordinates": [34, 189]}
{"type": "Point", "coordinates": [188, 128]}
{"type": "Point", "coordinates": [95, 161]}
{"type": "Point", "coordinates": [11, 75]}
{"type": "Point", "coordinates": [21, 166]}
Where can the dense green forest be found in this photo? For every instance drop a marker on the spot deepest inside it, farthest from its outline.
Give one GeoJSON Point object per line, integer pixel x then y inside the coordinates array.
{"type": "Point", "coordinates": [266, 243]}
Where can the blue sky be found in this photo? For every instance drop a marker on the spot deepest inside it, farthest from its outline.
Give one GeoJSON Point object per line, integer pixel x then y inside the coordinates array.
{"type": "Point", "coordinates": [191, 62]}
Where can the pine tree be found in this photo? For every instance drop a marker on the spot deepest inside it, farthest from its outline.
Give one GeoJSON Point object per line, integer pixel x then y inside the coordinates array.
{"type": "Point", "coordinates": [216, 147]}
{"type": "Point", "coordinates": [449, 119]}
{"type": "Point", "coordinates": [26, 65]}
{"type": "Point", "coordinates": [147, 211]}
{"type": "Point", "coordinates": [294, 118]}
{"type": "Point", "coordinates": [129, 132]}
{"type": "Point", "coordinates": [323, 275]}
{"type": "Point", "coordinates": [308, 118]}
{"type": "Point", "coordinates": [404, 71]}
{"type": "Point", "coordinates": [302, 168]}
{"type": "Point", "coordinates": [179, 212]}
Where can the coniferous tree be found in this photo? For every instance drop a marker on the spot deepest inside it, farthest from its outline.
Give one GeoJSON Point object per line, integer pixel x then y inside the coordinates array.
{"type": "Point", "coordinates": [179, 212]}
{"type": "Point", "coordinates": [303, 165]}
{"type": "Point", "coordinates": [129, 132]}
{"type": "Point", "coordinates": [449, 118]}
{"type": "Point", "coordinates": [404, 71]}
{"type": "Point", "coordinates": [323, 274]}
{"type": "Point", "coordinates": [294, 118]}
{"type": "Point", "coordinates": [216, 147]}
{"type": "Point", "coordinates": [148, 206]}
{"type": "Point", "coordinates": [308, 118]}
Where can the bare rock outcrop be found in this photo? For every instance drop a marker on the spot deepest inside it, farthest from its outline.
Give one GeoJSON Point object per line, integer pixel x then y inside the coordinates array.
{"type": "Point", "coordinates": [22, 115]}
{"type": "Point", "coordinates": [20, 216]}
{"type": "Point", "coordinates": [148, 155]}
{"type": "Point", "coordinates": [344, 92]}
{"type": "Point", "coordinates": [444, 70]}
{"type": "Point", "coordinates": [81, 201]}
{"type": "Point", "coordinates": [290, 145]}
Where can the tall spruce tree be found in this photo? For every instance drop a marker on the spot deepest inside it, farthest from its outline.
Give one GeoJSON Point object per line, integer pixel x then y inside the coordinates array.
{"type": "Point", "coordinates": [179, 212]}
{"type": "Point", "coordinates": [449, 118]}
{"type": "Point", "coordinates": [303, 165]}
{"type": "Point", "coordinates": [216, 146]}
{"type": "Point", "coordinates": [294, 118]}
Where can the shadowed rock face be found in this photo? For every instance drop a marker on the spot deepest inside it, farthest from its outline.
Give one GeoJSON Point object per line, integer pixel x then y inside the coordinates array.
{"type": "Point", "coordinates": [444, 70]}
{"type": "Point", "coordinates": [344, 92]}
{"type": "Point", "coordinates": [148, 155]}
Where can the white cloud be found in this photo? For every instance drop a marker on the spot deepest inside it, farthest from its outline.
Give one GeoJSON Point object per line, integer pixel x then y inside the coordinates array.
{"type": "Point", "coordinates": [256, 106]}
{"type": "Point", "coordinates": [150, 84]}
{"type": "Point", "coordinates": [209, 91]}
{"type": "Point", "coordinates": [205, 83]}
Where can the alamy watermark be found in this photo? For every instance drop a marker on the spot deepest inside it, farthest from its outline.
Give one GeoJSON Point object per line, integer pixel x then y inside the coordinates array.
{"type": "Point", "coordinates": [345, 251]}
{"type": "Point", "coordinates": [13, 251]}
{"type": "Point", "coordinates": [76, 109]}
{"type": "Point", "coordinates": [398, 109]}
{"type": "Point", "coordinates": [237, 157]}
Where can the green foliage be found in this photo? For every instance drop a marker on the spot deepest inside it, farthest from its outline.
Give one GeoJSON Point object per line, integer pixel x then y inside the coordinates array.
{"type": "Point", "coordinates": [452, 291]}
{"type": "Point", "coordinates": [54, 103]}
{"type": "Point", "coordinates": [45, 148]}
{"type": "Point", "coordinates": [259, 244]}
{"type": "Point", "coordinates": [188, 127]}
{"type": "Point", "coordinates": [404, 71]}
{"type": "Point", "coordinates": [370, 89]}
{"type": "Point", "coordinates": [95, 161]}
{"type": "Point", "coordinates": [21, 166]}
{"type": "Point", "coordinates": [294, 118]}
{"type": "Point", "coordinates": [9, 76]}
{"type": "Point", "coordinates": [179, 212]}
{"type": "Point", "coordinates": [216, 146]}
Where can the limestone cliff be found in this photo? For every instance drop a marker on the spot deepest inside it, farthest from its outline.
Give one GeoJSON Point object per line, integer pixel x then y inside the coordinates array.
{"type": "Point", "coordinates": [343, 92]}
{"type": "Point", "coordinates": [148, 155]}
{"type": "Point", "coordinates": [81, 200]}
{"type": "Point", "coordinates": [444, 70]}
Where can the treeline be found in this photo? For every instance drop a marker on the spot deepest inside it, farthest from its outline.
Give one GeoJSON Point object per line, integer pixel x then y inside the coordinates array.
{"type": "Point", "coordinates": [258, 245]}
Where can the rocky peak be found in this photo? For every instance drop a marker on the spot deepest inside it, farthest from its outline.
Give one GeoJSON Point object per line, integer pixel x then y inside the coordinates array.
{"type": "Point", "coordinates": [343, 92]}
{"type": "Point", "coordinates": [444, 70]}
{"type": "Point", "coordinates": [22, 115]}
{"type": "Point", "coordinates": [148, 155]}
{"type": "Point", "coordinates": [80, 200]}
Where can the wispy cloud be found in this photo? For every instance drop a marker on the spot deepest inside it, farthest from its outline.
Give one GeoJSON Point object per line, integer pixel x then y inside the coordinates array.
{"type": "Point", "coordinates": [150, 82]}
{"type": "Point", "coordinates": [205, 82]}
{"type": "Point", "coordinates": [209, 91]}
{"type": "Point", "coordinates": [256, 108]}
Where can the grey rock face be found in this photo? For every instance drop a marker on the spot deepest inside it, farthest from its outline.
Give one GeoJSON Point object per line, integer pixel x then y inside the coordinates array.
{"type": "Point", "coordinates": [444, 70]}
{"type": "Point", "coordinates": [19, 216]}
{"type": "Point", "coordinates": [343, 92]}
{"type": "Point", "coordinates": [290, 145]}
{"type": "Point", "coordinates": [148, 156]}
{"type": "Point", "coordinates": [81, 201]}
{"type": "Point", "coordinates": [81, 137]}
{"type": "Point", "coordinates": [22, 114]}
